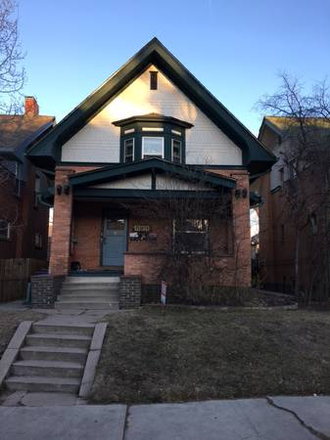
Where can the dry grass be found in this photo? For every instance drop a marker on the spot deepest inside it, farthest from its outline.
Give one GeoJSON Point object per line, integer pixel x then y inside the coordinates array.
{"type": "Point", "coordinates": [182, 354]}
{"type": "Point", "coordinates": [9, 322]}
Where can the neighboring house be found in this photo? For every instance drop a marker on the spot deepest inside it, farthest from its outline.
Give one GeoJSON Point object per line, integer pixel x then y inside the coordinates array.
{"type": "Point", "coordinates": [151, 131]}
{"type": "Point", "coordinates": [23, 218]}
{"type": "Point", "coordinates": [295, 182]}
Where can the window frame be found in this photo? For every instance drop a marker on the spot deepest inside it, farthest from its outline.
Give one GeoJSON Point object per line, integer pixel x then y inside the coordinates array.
{"type": "Point", "coordinates": [205, 232]}
{"type": "Point", "coordinates": [133, 152]}
{"type": "Point", "coordinates": [173, 140]}
{"type": "Point", "coordinates": [143, 146]}
{"type": "Point", "coordinates": [153, 84]}
{"type": "Point", "coordinates": [38, 241]}
{"type": "Point", "coordinates": [8, 234]}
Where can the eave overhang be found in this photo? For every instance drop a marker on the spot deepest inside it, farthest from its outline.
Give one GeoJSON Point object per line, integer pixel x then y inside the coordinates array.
{"type": "Point", "coordinates": [153, 117]}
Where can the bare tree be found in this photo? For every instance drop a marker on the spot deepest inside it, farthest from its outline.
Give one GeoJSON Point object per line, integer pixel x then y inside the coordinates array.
{"type": "Point", "coordinates": [304, 154]}
{"type": "Point", "coordinates": [12, 78]}
{"type": "Point", "coordinates": [195, 245]}
{"type": "Point", "coordinates": [12, 75]}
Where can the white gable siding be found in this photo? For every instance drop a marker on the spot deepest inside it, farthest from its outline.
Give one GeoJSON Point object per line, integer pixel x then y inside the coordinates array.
{"type": "Point", "coordinates": [139, 182]}
{"type": "Point", "coordinates": [163, 182]}
{"type": "Point", "coordinates": [99, 140]}
{"type": "Point", "coordinates": [170, 184]}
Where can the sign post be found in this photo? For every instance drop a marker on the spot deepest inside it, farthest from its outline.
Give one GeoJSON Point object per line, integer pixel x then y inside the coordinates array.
{"type": "Point", "coordinates": [163, 293]}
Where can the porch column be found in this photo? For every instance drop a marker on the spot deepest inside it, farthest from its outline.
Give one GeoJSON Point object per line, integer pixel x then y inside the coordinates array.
{"type": "Point", "coordinates": [60, 244]}
{"type": "Point", "coordinates": [242, 234]}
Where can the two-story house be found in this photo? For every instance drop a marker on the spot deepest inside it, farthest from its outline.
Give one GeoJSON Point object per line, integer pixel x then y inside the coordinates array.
{"type": "Point", "coordinates": [23, 216]}
{"type": "Point", "coordinates": [151, 132]}
{"type": "Point", "coordinates": [293, 216]}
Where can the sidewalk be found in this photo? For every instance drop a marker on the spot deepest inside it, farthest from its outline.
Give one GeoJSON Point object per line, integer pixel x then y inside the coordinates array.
{"type": "Point", "coordinates": [276, 418]}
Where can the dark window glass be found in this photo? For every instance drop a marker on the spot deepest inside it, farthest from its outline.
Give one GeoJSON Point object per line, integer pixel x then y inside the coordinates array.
{"type": "Point", "coordinates": [129, 150]}
{"type": "Point", "coordinates": [153, 80]}
{"type": "Point", "coordinates": [191, 235]}
{"type": "Point", "coordinates": [4, 230]}
{"type": "Point", "coordinates": [176, 151]}
{"type": "Point", "coordinates": [115, 224]}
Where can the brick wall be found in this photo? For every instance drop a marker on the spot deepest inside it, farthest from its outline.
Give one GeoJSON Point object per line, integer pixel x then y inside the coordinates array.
{"type": "Point", "coordinates": [130, 292]}
{"type": "Point", "coordinates": [44, 290]}
{"type": "Point", "coordinates": [61, 238]}
{"type": "Point", "coordinates": [25, 218]}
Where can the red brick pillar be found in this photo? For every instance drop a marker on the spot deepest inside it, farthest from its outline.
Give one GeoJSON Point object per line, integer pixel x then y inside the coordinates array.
{"type": "Point", "coordinates": [60, 244]}
{"type": "Point", "coordinates": [242, 234]}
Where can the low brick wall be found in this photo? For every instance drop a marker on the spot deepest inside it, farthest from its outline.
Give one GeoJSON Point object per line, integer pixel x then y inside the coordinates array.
{"type": "Point", "coordinates": [130, 292]}
{"type": "Point", "coordinates": [44, 290]}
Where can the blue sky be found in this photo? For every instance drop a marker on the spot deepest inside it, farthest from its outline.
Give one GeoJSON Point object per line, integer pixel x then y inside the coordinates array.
{"type": "Point", "coordinates": [236, 48]}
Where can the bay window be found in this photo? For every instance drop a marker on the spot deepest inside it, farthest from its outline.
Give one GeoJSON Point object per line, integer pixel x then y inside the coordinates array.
{"type": "Point", "coordinates": [152, 135]}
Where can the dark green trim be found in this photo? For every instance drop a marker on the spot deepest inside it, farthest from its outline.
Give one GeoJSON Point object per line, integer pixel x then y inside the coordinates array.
{"type": "Point", "coordinates": [153, 117]}
{"type": "Point", "coordinates": [256, 157]}
{"type": "Point", "coordinates": [88, 164]}
{"type": "Point", "coordinates": [142, 194]}
{"type": "Point", "coordinates": [153, 179]}
{"type": "Point", "coordinates": [181, 171]}
{"type": "Point", "coordinates": [138, 134]}
{"type": "Point", "coordinates": [115, 164]}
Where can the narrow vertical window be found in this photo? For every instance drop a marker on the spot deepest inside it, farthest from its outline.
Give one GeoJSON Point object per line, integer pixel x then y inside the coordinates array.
{"type": "Point", "coordinates": [153, 80]}
{"type": "Point", "coordinates": [4, 229]}
{"type": "Point", "coordinates": [36, 191]}
{"type": "Point", "coordinates": [176, 151]}
{"type": "Point", "coordinates": [129, 150]}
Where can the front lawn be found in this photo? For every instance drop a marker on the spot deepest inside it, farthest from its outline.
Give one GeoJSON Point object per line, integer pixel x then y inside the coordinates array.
{"type": "Point", "coordinates": [181, 354]}
{"type": "Point", "coordinates": [9, 321]}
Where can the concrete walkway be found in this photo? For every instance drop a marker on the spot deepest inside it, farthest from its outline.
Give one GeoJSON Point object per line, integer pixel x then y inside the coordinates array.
{"type": "Point", "coordinates": [276, 418]}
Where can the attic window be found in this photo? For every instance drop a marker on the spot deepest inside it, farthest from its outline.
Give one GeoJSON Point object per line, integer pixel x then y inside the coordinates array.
{"type": "Point", "coordinates": [153, 80]}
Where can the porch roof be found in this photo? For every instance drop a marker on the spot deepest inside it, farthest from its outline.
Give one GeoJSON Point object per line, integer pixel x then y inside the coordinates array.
{"type": "Point", "coordinates": [154, 166]}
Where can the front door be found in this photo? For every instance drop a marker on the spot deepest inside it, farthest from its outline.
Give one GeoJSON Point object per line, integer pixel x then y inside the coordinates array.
{"type": "Point", "coordinates": [114, 242]}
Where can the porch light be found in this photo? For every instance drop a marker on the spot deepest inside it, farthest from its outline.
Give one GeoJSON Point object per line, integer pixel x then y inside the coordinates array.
{"type": "Point", "coordinates": [59, 189]}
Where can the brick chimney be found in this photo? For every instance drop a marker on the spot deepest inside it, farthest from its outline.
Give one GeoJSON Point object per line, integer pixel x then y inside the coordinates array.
{"type": "Point", "coordinates": [31, 106]}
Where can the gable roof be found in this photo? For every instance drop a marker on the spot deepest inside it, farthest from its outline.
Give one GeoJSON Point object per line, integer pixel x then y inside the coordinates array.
{"type": "Point", "coordinates": [256, 157]}
{"type": "Point", "coordinates": [18, 132]}
{"type": "Point", "coordinates": [281, 124]}
{"type": "Point", "coordinates": [184, 172]}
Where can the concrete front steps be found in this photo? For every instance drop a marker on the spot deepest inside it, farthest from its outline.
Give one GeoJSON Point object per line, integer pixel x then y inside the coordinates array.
{"type": "Point", "coordinates": [52, 359]}
{"type": "Point", "coordinates": [94, 293]}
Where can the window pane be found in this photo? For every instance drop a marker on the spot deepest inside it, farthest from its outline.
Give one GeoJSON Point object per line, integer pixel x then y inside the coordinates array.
{"type": "Point", "coordinates": [4, 230]}
{"type": "Point", "coordinates": [115, 224]}
{"type": "Point", "coordinates": [191, 235]}
{"type": "Point", "coordinates": [176, 150]}
{"type": "Point", "coordinates": [153, 146]}
{"type": "Point", "coordinates": [129, 150]}
{"type": "Point", "coordinates": [193, 242]}
{"type": "Point", "coordinates": [192, 225]}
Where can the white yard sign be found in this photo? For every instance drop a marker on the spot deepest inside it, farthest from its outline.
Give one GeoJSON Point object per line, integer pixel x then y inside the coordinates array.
{"type": "Point", "coordinates": [163, 293]}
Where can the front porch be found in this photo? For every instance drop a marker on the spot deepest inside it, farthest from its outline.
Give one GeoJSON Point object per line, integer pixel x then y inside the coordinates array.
{"type": "Point", "coordinates": [133, 220]}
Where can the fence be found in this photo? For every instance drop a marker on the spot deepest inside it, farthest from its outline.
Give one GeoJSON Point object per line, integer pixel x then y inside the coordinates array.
{"type": "Point", "coordinates": [15, 275]}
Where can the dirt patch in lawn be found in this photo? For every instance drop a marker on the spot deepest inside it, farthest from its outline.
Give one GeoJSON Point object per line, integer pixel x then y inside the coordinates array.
{"type": "Point", "coordinates": [9, 322]}
{"type": "Point", "coordinates": [182, 354]}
